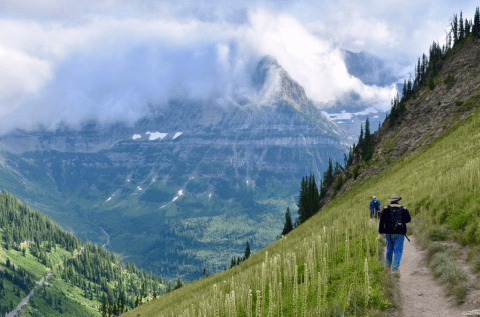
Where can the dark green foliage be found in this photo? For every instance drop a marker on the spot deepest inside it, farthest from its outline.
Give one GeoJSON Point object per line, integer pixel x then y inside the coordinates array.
{"type": "Point", "coordinates": [309, 197]}
{"type": "Point", "coordinates": [179, 284]}
{"type": "Point", "coordinates": [20, 224]}
{"type": "Point", "coordinates": [367, 150]}
{"type": "Point", "coordinates": [360, 138]}
{"type": "Point", "coordinates": [468, 25]}
{"type": "Point", "coordinates": [454, 25]}
{"type": "Point", "coordinates": [355, 172]}
{"type": "Point", "coordinates": [247, 248]}
{"type": "Point", "coordinates": [431, 84]}
{"type": "Point", "coordinates": [398, 108]}
{"type": "Point", "coordinates": [476, 23]}
{"type": "Point", "coordinates": [461, 30]}
{"type": "Point", "coordinates": [288, 226]}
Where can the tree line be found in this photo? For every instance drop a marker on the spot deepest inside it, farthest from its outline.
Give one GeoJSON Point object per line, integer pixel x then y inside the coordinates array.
{"type": "Point", "coordinates": [427, 67]}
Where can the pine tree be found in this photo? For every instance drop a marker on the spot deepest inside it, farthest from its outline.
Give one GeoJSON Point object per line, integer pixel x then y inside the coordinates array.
{"type": "Point", "coordinates": [454, 25]}
{"type": "Point", "coordinates": [476, 23]}
{"type": "Point", "coordinates": [314, 197]}
{"type": "Point", "coordinates": [467, 28]}
{"type": "Point", "coordinates": [417, 75]}
{"type": "Point", "coordinates": [424, 67]}
{"type": "Point", "coordinates": [329, 172]}
{"type": "Point", "coordinates": [286, 228]}
{"type": "Point", "coordinates": [360, 138]}
{"type": "Point", "coordinates": [309, 201]}
{"type": "Point", "coordinates": [461, 30]}
{"type": "Point", "coordinates": [302, 200]}
{"type": "Point", "coordinates": [247, 247]}
{"type": "Point", "coordinates": [179, 284]}
{"type": "Point", "coordinates": [368, 146]}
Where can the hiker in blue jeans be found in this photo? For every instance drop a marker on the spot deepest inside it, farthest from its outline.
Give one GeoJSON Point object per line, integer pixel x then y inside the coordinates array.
{"type": "Point", "coordinates": [393, 222]}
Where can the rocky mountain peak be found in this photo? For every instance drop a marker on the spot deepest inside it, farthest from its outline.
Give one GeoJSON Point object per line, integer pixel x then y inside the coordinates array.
{"type": "Point", "coordinates": [273, 83]}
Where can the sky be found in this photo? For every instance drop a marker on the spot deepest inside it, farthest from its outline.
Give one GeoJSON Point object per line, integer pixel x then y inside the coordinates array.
{"type": "Point", "coordinates": [67, 61]}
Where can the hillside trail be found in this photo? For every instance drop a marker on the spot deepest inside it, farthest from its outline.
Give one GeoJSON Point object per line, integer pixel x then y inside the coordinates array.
{"type": "Point", "coordinates": [421, 295]}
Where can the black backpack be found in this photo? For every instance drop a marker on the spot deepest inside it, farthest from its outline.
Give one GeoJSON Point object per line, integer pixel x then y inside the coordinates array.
{"type": "Point", "coordinates": [397, 219]}
{"type": "Point", "coordinates": [376, 205]}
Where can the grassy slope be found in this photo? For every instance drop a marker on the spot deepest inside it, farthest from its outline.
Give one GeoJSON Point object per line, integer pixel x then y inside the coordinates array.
{"type": "Point", "coordinates": [438, 184]}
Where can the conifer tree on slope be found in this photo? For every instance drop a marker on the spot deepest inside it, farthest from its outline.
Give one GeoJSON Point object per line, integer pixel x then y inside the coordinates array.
{"type": "Point", "coordinates": [288, 224]}
{"type": "Point", "coordinates": [247, 249]}
{"type": "Point", "coordinates": [367, 146]}
{"type": "Point", "coordinates": [476, 23]}
{"type": "Point", "coordinates": [309, 198]}
{"type": "Point", "coordinates": [461, 30]}
{"type": "Point", "coordinates": [454, 25]}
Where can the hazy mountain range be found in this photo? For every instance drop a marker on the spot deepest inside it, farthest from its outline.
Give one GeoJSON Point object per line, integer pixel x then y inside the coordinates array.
{"type": "Point", "coordinates": [185, 188]}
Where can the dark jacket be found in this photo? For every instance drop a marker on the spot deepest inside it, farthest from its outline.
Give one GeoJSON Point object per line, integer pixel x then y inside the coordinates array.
{"type": "Point", "coordinates": [387, 220]}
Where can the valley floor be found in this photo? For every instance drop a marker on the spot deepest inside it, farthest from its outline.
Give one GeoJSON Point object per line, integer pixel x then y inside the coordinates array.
{"type": "Point", "coordinates": [422, 296]}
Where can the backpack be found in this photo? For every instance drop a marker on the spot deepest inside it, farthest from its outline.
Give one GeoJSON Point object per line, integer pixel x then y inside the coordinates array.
{"type": "Point", "coordinates": [376, 205]}
{"type": "Point", "coordinates": [398, 223]}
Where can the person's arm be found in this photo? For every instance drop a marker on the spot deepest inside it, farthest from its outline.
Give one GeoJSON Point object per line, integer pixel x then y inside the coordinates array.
{"type": "Point", "coordinates": [406, 216]}
{"type": "Point", "coordinates": [381, 225]}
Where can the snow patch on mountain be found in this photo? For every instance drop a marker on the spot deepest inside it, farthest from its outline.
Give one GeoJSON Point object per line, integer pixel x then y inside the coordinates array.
{"type": "Point", "coordinates": [156, 135]}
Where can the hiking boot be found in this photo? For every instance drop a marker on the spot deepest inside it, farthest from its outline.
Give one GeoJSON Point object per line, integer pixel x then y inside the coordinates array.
{"type": "Point", "coordinates": [395, 273]}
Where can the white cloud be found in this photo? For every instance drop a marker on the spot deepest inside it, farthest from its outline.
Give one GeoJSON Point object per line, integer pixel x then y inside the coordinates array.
{"type": "Point", "coordinates": [69, 61]}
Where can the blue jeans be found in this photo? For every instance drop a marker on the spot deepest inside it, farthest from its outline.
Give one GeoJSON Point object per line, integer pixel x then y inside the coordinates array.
{"type": "Point", "coordinates": [394, 250]}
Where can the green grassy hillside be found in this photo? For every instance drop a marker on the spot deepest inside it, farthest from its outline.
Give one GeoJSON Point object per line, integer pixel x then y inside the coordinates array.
{"type": "Point", "coordinates": [330, 263]}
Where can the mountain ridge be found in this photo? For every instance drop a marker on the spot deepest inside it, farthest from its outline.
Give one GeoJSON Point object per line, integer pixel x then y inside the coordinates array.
{"type": "Point", "coordinates": [196, 172]}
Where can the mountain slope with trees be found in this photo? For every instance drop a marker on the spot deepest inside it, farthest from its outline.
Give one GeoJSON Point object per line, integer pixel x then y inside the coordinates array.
{"type": "Point", "coordinates": [82, 277]}
{"type": "Point", "coordinates": [445, 89]}
{"type": "Point", "coordinates": [331, 264]}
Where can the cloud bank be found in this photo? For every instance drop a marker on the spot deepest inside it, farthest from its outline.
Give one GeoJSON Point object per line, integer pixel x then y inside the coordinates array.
{"type": "Point", "coordinates": [69, 62]}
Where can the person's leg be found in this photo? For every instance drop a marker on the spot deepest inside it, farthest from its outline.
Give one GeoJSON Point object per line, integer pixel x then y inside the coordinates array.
{"type": "Point", "coordinates": [389, 252]}
{"type": "Point", "coordinates": [371, 217]}
{"type": "Point", "coordinates": [397, 250]}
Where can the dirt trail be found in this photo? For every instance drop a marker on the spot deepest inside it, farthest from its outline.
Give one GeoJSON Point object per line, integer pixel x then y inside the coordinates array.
{"type": "Point", "coordinates": [421, 295]}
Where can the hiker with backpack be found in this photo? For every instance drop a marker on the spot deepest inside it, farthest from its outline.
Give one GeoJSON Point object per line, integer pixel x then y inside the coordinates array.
{"type": "Point", "coordinates": [374, 209]}
{"type": "Point", "coordinates": [393, 222]}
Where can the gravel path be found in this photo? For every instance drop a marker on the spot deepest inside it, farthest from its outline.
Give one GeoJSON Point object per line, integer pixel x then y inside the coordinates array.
{"type": "Point", "coordinates": [421, 295]}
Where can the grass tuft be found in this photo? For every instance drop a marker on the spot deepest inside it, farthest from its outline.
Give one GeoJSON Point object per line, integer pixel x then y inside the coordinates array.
{"type": "Point", "coordinates": [445, 268]}
{"type": "Point", "coordinates": [438, 234]}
